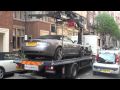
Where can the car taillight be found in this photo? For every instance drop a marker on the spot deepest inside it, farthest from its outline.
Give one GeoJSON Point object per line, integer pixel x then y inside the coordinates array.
{"type": "Point", "coordinates": [97, 57]}
{"type": "Point", "coordinates": [117, 59]}
{"type": "Point", "coordinates": [49, 68]}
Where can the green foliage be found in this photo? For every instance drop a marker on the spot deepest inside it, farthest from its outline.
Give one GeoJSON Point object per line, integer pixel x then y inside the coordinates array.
{"type": "Point", "coordinates": [106, 25]}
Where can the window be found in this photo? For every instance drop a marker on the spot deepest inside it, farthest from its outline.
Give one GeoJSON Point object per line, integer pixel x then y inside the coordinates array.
{"type": "Point", "coordinates": [53, 28]}
{"type": "Point", "coordinates": [18, 38]}
{"type": "Point", "coordinates": [19, 15]}
{"type": "Point", "coordinates": [14, 14]}
{"type": "Point", "coordinates": [66, 39]}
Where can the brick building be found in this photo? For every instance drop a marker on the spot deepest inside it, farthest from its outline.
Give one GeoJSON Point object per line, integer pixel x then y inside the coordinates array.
{"type": "Point", "coordinates": [15, 24]}
{"type": "Point", "coordinates": [6, 22]}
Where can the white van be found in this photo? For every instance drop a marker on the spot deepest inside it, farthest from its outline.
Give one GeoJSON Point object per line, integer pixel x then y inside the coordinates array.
{"type": "Point", "coordinates": [6, 64]}
{"type": "Point", "coordinates": [89, 40]}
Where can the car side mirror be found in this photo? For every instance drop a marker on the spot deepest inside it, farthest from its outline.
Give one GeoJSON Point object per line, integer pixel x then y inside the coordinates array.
{"type": "Point", "coordinates": [75, 41]}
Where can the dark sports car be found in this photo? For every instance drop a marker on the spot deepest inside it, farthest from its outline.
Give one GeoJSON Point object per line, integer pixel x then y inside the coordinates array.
{"type": "Point", "coordinates": [51, 46]}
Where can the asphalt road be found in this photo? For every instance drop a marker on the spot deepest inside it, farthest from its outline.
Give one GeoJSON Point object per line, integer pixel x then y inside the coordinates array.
{"type": "Point", "coordinates": [85, 73]}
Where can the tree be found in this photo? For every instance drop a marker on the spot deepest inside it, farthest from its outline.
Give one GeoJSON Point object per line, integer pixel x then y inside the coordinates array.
{"type": "Point", "coordinates": [106, 25]}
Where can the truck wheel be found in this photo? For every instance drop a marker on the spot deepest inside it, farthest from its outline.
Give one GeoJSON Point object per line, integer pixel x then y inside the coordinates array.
{"type": "Point", "coordinates": [58, 54]}
{"type": "Point", "coordinates": [94, 73]}
{"type": "Point", "coordinates": [58, 71]}
{"type": "Point", "coordinates": [71, 71]}
{"type": "Point", "coordinates": [1, 73]}
{"type": "Point", "coordinates": [74, 72]}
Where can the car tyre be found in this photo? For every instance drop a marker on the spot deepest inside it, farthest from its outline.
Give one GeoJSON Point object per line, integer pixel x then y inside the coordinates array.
{"type": "Point", "coordinates": [58, 54]}
{"type": "Point", "coordinates": [74, 72]}
{"type": "Point", "coordinates": [12, 74]}
{"type": "Point", "coordinates": [94, 73]}
{"type": "Point", "coordinates": [81, 52]}
{"type": "Point", "coordinates": [118, 75]}
{"type": "Point", "coordinates": [1, 73]}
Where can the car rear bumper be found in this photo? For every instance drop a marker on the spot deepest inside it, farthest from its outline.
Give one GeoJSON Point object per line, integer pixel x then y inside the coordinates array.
{"type": "Point", "coordinates": [46, 51]}
{"type": "Point", "coordinates": [106, 68]}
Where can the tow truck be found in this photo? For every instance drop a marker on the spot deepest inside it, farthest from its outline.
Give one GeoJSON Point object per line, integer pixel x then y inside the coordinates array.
{"type": "Point", "coordinates": [66, 68]}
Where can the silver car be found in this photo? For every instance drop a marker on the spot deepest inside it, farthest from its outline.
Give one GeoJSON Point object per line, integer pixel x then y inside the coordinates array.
{"type": "Point", "coordinates": [107, 61]}
{"type": "Point", "coordinates": [51, 46]}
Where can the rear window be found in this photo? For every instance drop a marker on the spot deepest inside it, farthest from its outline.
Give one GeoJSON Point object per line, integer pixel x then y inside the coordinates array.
{"type": "Point", "coordinates": [50, 37]}
{"type": "Point", "coordinates": [107, 58]}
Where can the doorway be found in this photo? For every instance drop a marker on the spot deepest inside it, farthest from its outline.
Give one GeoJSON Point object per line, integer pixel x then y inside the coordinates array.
{"type": "Point", "coordinates": [1, 42]}
{"type": "Point", "coordinates": [4, 40]}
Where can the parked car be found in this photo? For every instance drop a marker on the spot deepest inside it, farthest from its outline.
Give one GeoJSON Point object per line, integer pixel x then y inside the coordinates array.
{"type": "Point", "coordinates": [6, 64]}
{"type": "Point", "coordinates": [107, 61]}
{"type": "Point", "coordinates": [51, 46]}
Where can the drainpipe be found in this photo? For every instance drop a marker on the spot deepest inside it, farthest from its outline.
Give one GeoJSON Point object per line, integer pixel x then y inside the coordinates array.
{"type": "Point", "coordinates": [25, 21]}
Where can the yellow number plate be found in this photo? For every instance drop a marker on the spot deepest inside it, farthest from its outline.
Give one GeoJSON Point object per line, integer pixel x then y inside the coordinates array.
{"type": "Point", "coordinates": [105, 71]}
{"type": "Point", "coordinates": [31, 43]}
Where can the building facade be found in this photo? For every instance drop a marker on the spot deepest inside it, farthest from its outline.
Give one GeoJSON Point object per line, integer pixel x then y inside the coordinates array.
{"type": "Point", "coordinates": [14, 25]}
{"type": "Point", "coordinates": [6, 22]}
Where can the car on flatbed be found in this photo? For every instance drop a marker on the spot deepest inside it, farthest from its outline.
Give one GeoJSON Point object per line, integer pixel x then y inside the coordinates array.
{"type": "Point", "coordinates": [53, 46]}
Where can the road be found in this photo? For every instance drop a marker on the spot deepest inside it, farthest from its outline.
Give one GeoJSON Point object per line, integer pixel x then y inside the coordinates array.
{"type": "Point", "coordinates": [87, 74]}
{"type": "Point", "coordinates": [83, 74]}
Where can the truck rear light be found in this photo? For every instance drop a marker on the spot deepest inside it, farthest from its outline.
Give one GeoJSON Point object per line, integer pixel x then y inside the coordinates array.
{"type": "Point", "coordinates": [49, 68]}
{"type": "Point", "coordinates": [117, 59]}
{"type": "Point", "coordinates": [18, 65]}
{"type": "Point", "coordinates": [97, 57]}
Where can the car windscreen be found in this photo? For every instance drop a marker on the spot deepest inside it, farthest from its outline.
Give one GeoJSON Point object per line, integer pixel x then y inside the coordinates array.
{"type": "Point", "coordinates": [106, 58]}
{"type": "Point", "coordinates": [50, 37]}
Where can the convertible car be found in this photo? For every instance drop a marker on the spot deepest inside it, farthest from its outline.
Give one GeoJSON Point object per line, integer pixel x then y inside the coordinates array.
{"type": "Point", "coordinates": [54, 46]}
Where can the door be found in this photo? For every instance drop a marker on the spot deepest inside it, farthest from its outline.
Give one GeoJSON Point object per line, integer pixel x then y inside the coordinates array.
{"type": "Point", "coordinates": [12, 66]}
{"type": "Point", "coordinates": [68, 46]}
{"type": "Point", "coordinates": [74, 47]}
{"type": "Point", "coordinates": [8, 65]}
{"type": "Point", "coordinates": [6, 60]}
{"type": "Point", "coordinates": [1, 42]}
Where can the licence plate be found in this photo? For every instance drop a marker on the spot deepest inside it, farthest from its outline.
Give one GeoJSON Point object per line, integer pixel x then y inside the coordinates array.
{"type": "Point", "coordinates": [105, 71]}
{"type": "Point", "coordinates": [31, 43]}
{"type": "Point", "coordinates": [19, 68]}
{"type": "Point", "coordinates": [31, 67]}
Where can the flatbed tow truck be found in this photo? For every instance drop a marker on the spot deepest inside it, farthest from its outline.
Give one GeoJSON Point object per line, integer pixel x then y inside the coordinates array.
{"type": "Point", "coordinates": [66, 68]}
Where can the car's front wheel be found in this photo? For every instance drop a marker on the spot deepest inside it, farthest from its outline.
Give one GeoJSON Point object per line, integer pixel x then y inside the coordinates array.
{"type": "Point", "coordinates": [81, 52]}
{"type": "Point", "coordinates": [1, 73]}
{"type": "Point", "coordinates": [58, 54]}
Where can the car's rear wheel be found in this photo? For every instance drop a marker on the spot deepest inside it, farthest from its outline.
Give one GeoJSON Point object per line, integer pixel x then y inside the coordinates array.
{"type": "Point", "coordinates": [94, 73]}
{"type": "Point", "coordinates": [58, 54]}
{"type": "Point", "coordinates": [1, 73]}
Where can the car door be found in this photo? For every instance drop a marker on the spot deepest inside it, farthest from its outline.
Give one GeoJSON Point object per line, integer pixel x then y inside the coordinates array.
{"type": "Point", "coordinates": [66, 46]}
{"type": "Point", "coordinates": [6, 65]}
{"type": "Point", "coordinates": [8, 62]}
{"type": "Point", "coordinates": [73, 47]}
{"type": "Point", "coordinates": [12, 65]}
